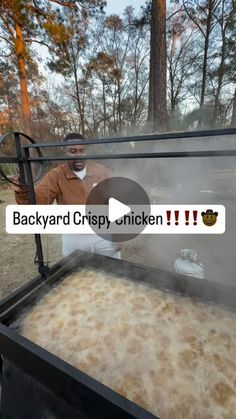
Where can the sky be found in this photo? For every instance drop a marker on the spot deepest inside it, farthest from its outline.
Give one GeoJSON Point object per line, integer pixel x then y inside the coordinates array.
{"type": "Point", "coordinates": [113, 7]}
{"type": "Point", "coordinates": [118, 6]}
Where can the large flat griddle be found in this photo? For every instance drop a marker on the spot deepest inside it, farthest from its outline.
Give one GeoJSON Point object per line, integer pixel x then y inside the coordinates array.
{"type": "Point", "coordinates": [84, 396]}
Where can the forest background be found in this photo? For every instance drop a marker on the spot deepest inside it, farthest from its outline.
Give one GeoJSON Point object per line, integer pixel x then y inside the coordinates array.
{"type": "Point", "coordinates": [69, 66]}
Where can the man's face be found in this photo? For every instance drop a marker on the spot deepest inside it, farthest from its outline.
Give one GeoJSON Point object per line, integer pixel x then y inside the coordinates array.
{"type": "Point", "coordinates": [75, 151]}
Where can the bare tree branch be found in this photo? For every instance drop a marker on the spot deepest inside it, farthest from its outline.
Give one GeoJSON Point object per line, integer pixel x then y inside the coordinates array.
{"type": "Point", "coordinates": [7, 55]}
{"type": "Point", "coordinates": [193, 20]}
{"type": "Point", "coordinates": [175, 13]}
{"type": "Point", "coordinates": [71, 4]}
{"type": "Point", "coordinates": [6, 40]}
{"type": "Point", "coordinates": [10, 30]}
{"type": "Point", "coordinates": [37, 41]}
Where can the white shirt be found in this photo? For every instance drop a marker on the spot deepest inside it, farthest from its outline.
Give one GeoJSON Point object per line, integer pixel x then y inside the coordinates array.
{"type": "Point", "coordinates": [81, 173]}
{"type": "Point", "coordinates": [89, 243]}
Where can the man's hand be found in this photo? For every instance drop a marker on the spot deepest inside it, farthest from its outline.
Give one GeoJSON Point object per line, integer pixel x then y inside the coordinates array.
{"type": "Point", "coordinates": [17, 186]}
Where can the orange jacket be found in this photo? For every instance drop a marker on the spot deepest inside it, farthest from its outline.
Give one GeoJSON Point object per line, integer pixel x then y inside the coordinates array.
{"type": "Point", "coordinates": [62, 185]}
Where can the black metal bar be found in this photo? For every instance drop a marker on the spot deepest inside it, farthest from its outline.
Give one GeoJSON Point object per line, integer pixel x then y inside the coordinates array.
{"type": "Point", "coordinates": [19, 153]}
{"type": "Point", "coordinates": [19, 159]}
{"type": "Point", "coordinates": [161, 155]}
{"type": "Point", "coordinates": [203, 290]}
{"type": "Point", "coordinates": [42, 268]}
{"type": "Point", "coordinates": [10, 304]}
{"type": "Point", "coordinates": [29, 176]}
{"type": "Point", "coordinates": [9, 159]}
{"type": "Point", "coordinates": [137, 138]}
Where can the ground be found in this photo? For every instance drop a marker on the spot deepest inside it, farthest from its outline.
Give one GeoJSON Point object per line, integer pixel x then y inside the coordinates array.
{"type": "Point", "coordinates": [217, 253]}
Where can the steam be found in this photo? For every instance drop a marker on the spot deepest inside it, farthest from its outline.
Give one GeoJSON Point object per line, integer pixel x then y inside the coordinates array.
{"type": "Point", "coordinates": [205, 180]}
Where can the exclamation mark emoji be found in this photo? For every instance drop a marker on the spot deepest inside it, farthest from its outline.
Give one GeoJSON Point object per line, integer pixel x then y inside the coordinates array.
{"type": "Point", "coordinates": [187, 218]}
{"type": "Point", "coordinates": [195, 218]}
{"type": "Point", "coordinates": [168, 214]}
{"type": "Point", "coordinates": [176, 218]}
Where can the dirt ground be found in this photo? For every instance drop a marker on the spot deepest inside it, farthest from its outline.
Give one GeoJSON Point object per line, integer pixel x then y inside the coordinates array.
{"type": "Point", "coordinates": [17, 252]}
{"type": "Point", "coordinates": [217, 253]}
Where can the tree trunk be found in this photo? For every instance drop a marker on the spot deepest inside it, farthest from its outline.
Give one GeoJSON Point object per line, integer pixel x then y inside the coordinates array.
{"type": "Point", "coordinates": [114, 112]}
{"type": "Point", "coordinates": [104, 107]}
{"type": "Point", "coordinates": [233, 119]}
{"type": "Point", "coordinates": [221, 67]}
{"type": "Point", "coordinates": [171, 72]}
{"type": "Point", "coordinates": [81, 114]}
{"type": "Point", "coordinates": [219, 84]}
{"type": "Point", "coordinates": [21, 62]}
{"type": "Point", "coordinates": [205, 59]}
{"type": "Point", "coordinates": [157, 110]}
{"type": "Point", "coordinates": [119, 104]}
{"type": "Point", "coordinates": [204, 68]}
{"type": "Point", "coordinates": [172, 92]}
{"type": "Point", "coordinates": [135, 95]}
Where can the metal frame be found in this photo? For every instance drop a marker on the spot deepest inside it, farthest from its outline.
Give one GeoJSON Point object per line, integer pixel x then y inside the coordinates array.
{"type": "Point", "coordinates": [89, 397]}
{"type": "Point", "coordinates": [152, 137]}
{"type": "Point", "coordinates": [24, 173]}
{"type": "Point", "coordinates": [24, 160]}
{"type": "Point", "coordinates": [205, 290]}
{"type": "Point", "coordinates": [19, 156]}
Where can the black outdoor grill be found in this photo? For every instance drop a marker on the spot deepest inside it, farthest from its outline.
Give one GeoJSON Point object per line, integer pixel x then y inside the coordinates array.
{"type": "Point", "coordinates": [39, 385]}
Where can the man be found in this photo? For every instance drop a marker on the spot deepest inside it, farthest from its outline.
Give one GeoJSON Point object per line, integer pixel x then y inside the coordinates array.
{"type": "Point", "coordinates": [70, 184]}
